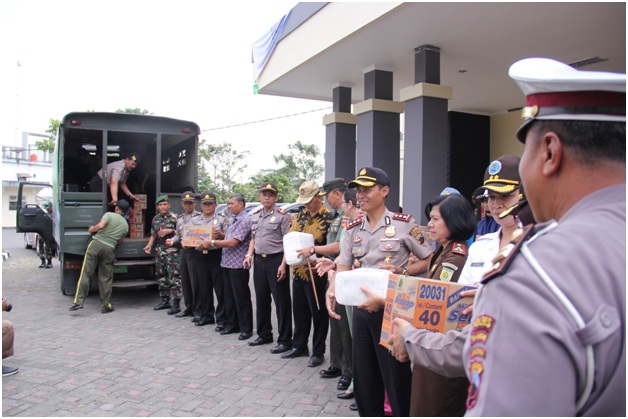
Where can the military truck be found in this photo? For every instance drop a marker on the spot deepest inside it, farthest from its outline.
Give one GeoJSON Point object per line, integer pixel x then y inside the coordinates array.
{"type": "Point", "coordinates": [88, 141]}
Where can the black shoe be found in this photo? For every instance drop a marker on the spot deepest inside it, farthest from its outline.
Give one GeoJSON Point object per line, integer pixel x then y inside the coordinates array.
{"type": "Point", "coordinates": [175, 308]}
{"type": "Point", "coordinates": [220, 328]}
{"type": "Point", "coordinates": [279, 349]}
{"type": "Point", "coordinates": [76, 307]}
{"type": "Point", "coordinates": [229, 331]}
{"type": "Point", "coordinates": [183, 313]}
{"type": "Point", "coordinates": [106, 309]}
{"type": "Point", "coordinates": [165, 303]}
{"type": "Point", "coordinates": [343, 383]}
{"type": "Point", "coordinates": [331, 372]}
{"type": "Point", "coordinates": [261, 341]}
{"type": "Point", "coordinates": [43, 264]}
{"type": "Point", "coordinates": [316, 360]}
{"type": "Point", "coordinates": [345, 395]}
{"type": "Point", "coordinates": [354, 407]}
{"type": "Point", "coordinates": [205, 320]}
{"type": "Point", "coordinates": [48, 265]}
{"type": "Point", "coordinates": [196, 319]}
{"type": "Point", "coordinates": [245, 335]}
{"type": "Point", "coordinates": [296, 353]}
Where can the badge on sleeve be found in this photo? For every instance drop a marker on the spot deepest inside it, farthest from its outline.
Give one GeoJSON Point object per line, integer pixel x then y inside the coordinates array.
{"type": "Point", "coordinates": [446, 274]}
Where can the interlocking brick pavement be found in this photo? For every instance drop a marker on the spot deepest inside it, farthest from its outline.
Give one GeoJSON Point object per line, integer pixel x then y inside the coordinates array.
{"type": "Point", "coordinates": [137, 361]}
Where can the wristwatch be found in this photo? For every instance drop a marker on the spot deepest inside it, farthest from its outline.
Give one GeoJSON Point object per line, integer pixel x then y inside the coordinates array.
{"type": "Point", "coordinates": [312, 250]}
{"type": "Point", "coordinates": [213, 244]}
{"type": "Point", "coordinates": [405, 272]}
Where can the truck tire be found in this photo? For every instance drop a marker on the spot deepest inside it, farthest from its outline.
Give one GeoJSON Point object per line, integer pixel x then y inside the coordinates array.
{"type": "Point", "coordinates": [69, 278]}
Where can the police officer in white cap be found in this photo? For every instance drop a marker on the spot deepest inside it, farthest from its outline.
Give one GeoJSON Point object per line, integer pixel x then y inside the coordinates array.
{"type": "Point", "coordinates": [548, 329]}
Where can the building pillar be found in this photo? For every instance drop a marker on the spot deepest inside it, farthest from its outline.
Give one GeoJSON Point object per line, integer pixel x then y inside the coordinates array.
{"type": "Point", "coordinates": [340, 136]}
{"type": "Point", "coordinates": [378, 130]}
{"type": "Point", "coordinates": [426, 151]}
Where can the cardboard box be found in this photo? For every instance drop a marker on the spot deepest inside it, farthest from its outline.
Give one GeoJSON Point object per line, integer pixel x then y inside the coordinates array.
{"type": "Point", "coordinates": [426, 303]}
{"type": "Point", "coordinates": [141, 201]}
{"type": "Point", "coordinates": [136, 231]}
{"type": "Point", "coordinates": [194, 235]}
{"type": "Point", "coordinates": [136, 216]}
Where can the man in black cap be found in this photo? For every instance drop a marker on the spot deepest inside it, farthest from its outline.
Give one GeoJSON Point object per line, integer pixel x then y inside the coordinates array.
{"type": "Point", "coordinates": [117, 174]}
{"type": "Point", "coordinates": [382, 239]}
{"type": "Point", "coordinates": [556, 296]}
{"type": "Point", "coordinates": [107, 234]}
{"type": "Point", "coordinates": [187, 259]}
{"type": "Point", "coordinates": [340, 343]}
{"type": "Point", "coordinates": [270, 276]}
{"type": "Point", "coordinates": [209, 275]}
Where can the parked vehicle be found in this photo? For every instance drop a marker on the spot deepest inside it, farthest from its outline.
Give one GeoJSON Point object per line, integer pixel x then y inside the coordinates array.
{"type": "Point", "coordinates": [169, 160]}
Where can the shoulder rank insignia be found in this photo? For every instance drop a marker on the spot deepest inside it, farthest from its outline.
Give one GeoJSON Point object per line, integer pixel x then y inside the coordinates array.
{"type": "Point", "coordinates": [506, 254]}
{"type": "Point", "coordinates": [400, 216]}
{"type": "Point", "coordinates": [257, 211]}
{"type": "Point", "coordinates": [281, 211]}
{"type": "Point", "coordinates": [460, 249]}
{"type": "Point", "coordinates": [354, 223]}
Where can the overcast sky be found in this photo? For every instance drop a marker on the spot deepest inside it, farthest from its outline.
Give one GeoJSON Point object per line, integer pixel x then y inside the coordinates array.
{"type": "Point", "coordinates": [189, 59]}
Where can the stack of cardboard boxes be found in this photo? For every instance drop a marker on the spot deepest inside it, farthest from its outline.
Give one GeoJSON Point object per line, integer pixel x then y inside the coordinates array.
{"type": "Point", "coordinates": [136, 218]}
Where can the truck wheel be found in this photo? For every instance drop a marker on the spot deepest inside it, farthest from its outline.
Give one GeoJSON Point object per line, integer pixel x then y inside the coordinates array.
{"type": "Point", "coordinates": [69, 277]}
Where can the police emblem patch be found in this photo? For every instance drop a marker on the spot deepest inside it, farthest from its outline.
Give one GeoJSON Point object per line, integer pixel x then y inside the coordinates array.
{"type": "Point", "coordinates": [495, 167]}
{"type": "Point", "coordinates": [446, 274]}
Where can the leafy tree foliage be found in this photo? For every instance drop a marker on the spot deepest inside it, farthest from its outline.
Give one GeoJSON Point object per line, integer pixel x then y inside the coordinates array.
{"type": "Point", "coordinates": [48, 144]}
{"type": "Point", "coordinates": [224, 164]}
{"type": "Point", "coordinates": [135, 111]}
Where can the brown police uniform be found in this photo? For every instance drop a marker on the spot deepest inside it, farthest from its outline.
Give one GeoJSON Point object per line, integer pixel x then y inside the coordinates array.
{"type": "Point", "coordinates": [210, 275]}
{"type": "Point", "coordinates": [434, 394]}
{"type": "Point", "coordinates": [395, 236]}
{"type": "Point", "coordinates": [268, 230]}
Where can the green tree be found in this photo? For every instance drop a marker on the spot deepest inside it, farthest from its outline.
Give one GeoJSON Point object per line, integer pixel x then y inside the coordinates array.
{"type": "Point", "coordinates": [135, 111]}
{"type": "Point", "coordinates": [48, 144]}
{"type": "Point", "coordinates": [298, 166]}
{"type": "Point", "coordinates": [224, 164]}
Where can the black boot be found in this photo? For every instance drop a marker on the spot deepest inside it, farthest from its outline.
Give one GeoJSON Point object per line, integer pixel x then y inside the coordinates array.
{"type": "Point", "coordinates": [175, 307]}
{"type": "Point", "coordinates": [49, 264]}
{"type": "Point", "coordinates": [165, 303]}
{"type": "Point", "coordinates": [43, 263]}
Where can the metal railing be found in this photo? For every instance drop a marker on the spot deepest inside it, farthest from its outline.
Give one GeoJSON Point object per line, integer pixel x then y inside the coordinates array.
{"type": "Point", "coordinates": [31, 154]}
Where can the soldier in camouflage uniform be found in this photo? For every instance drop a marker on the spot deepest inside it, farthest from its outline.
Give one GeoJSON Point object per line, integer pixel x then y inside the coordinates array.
{"type": "Point", "coordinates": [46, 249]}
{"type": "Point", "coordinates": [163, 227]}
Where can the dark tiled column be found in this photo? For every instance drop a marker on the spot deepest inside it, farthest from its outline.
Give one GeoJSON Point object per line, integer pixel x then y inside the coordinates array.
{"type": "Point", "coordinates": [378, 130]}
{"type": "Point", "coordinates": [340, 136]}
{"type": "Point", "coordinates": [426, 160]}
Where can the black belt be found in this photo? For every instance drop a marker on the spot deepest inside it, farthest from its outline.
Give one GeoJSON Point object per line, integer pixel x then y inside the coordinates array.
{"type": "Point", "coordinates": [267, 255]}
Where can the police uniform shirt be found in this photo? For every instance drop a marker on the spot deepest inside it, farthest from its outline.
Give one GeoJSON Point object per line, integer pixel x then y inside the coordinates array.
{"type": "Point", "coordinates": [525, 354]}
{"type": "Point", "coordinates": [182, 220]}
{"type": "Point", "coordinates": [268, 230]}
{"type": "Point", "coordinates": [447, 262]}
{"type": "Point", "coordinates": [392, 240]}
{"type": "Point", "coordinates": [116, 170]}
{"type": "Point", "coordinates": [480, 259]}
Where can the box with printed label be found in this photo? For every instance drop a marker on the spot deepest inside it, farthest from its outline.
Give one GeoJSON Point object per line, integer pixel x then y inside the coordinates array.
{"type": "Point", "coordinates": [141, 201]}
{"type": "Point", "coordinates": [136, 216]}
{"type": "Point", "coordinates": [426, 303]}
{"type": "Point", "coordinates": [136, 230]}
{"type": "Point", "coordinates": [194, 235]}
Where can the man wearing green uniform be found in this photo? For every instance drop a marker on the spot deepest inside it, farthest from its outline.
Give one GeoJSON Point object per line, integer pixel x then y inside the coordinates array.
{"type": "Point", "coordinates": [164, 227]}
{"type": "Point", "coordinates": [109, 232]}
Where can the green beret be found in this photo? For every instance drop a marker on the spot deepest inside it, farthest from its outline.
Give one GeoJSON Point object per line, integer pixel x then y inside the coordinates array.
{"type": "Point", "coordinates": [161, 198]}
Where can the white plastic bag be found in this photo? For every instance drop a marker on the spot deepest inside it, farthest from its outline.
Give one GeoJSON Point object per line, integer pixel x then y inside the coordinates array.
{"type": "Point", "coordinates": [348, 284]}
{"type": "Point", "coordinates": [294, 241]}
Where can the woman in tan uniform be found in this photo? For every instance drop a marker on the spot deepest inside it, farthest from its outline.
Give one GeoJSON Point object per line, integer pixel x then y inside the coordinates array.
{"type": "Point", "coordinates": [451, 222]}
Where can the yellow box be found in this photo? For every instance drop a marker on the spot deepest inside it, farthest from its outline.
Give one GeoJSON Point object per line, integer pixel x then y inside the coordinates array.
{"type": "Point", "coordinates": [426, 303]}
{"type": "Point", "coordinates": [193, 235]}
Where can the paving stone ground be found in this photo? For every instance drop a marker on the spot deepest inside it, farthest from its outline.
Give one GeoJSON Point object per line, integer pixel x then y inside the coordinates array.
{"type": "Point", "coordinates": [137, 361]}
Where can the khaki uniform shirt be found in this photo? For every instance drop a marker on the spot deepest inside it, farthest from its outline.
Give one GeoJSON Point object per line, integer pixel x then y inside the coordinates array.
{"type": "Point", "coordinates": [182, 220]}
{"type": "Point", "coordinates": [392, 240]}
{"type": "Point", "coordinates": [525, 355]}
{"type": "Point", "coordinates": [217, 220]}
{"type": "Point", "coordinates": [268, 230]}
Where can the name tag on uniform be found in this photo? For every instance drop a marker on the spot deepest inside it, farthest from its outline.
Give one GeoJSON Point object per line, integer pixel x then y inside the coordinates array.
{"type": "Point", "coordinates": [477, 264]}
